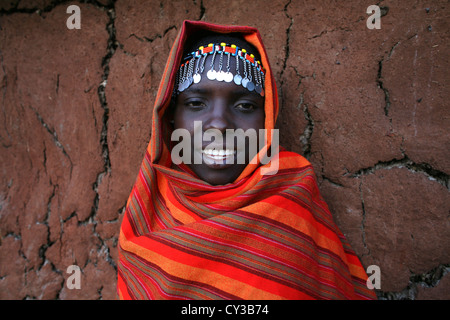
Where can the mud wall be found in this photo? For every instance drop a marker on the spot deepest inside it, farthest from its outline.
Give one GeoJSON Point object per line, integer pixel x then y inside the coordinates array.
{"type": "Point", "coordinates": [368, 107]}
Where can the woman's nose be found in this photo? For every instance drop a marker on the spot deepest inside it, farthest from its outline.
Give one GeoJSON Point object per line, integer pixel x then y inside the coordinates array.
{"type": "Point", "coordinates": [218, 119]}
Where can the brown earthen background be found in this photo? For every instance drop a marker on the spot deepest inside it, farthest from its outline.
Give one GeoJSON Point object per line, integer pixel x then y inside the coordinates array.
{"type": "Point", "coordinates": [368, 108]}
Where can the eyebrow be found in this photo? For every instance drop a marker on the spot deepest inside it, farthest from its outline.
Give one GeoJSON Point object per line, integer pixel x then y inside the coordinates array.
{"type": "Point", "coordinates": [194, 89]}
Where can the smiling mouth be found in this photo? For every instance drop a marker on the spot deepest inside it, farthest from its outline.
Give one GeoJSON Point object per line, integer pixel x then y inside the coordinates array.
{"type": "Point", "coordinates": [219, 154]}
{"type": "Point", "coordinates": [216, 158]}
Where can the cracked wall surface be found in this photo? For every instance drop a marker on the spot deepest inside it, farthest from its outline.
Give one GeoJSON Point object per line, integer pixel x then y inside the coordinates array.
{"type": "Point", "coordinates": [368, 108]}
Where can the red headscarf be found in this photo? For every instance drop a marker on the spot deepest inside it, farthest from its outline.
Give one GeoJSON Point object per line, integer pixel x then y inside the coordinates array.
{"type": "Point", "coordinates": [260, 237]}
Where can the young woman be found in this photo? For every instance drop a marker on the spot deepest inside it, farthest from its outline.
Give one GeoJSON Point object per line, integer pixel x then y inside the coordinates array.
{"type": "Point", "coordinates": [217, 218]}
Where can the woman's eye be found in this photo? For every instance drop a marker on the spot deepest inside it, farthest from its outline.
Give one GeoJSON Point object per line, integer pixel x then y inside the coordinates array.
{"type": "Point", "coordinates": [245, 107]}
{"type": "Point", "coordinates": [195, 105]}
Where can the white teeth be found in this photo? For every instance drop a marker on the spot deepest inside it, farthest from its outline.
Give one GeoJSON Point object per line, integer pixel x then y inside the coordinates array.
{"type": "Point", "coordinates": [218, 153]}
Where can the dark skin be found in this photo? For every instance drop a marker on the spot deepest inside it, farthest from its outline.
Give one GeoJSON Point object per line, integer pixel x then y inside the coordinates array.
{"type": "Point", "coordinates": [220, 106]}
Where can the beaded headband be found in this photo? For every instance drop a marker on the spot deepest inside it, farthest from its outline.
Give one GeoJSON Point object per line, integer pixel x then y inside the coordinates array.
{"type": "Point", "coordinates": [248, 73]}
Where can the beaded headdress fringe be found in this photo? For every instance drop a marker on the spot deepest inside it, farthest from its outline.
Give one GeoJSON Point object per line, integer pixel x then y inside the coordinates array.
{"type": "Point", "coordinates": [248, 72]}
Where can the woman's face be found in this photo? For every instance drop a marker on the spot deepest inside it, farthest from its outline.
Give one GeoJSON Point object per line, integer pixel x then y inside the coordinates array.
{"type": "Point", "coordinates": [219, 105]}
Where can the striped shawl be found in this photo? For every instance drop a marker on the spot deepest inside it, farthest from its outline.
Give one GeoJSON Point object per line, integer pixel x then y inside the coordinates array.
{"type": "Point", "coordinates": [261, 237]}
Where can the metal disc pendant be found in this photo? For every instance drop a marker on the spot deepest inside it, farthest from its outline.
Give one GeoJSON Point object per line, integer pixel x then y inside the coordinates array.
{"type": "Point", "coordinates": [220, 76]}
{"type": "Point", "coordinates": [197, 78]}
{"type": "Point", "coordinates": [258, 88]}
{"type": "Point", "coordinates": [244, 82]}
{"type": "Point", "coordinates": [237, 79]}
{"type": "Point", "coordinates": [250, 86]}
{"type": "Point", "coordinates": [228, 77]}
{"type": "Point", "coordinates": [211, 75]}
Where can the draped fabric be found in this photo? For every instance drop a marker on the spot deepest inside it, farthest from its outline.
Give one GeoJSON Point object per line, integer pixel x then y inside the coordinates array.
{"type": "Point", "coordinates": [264, 236]}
